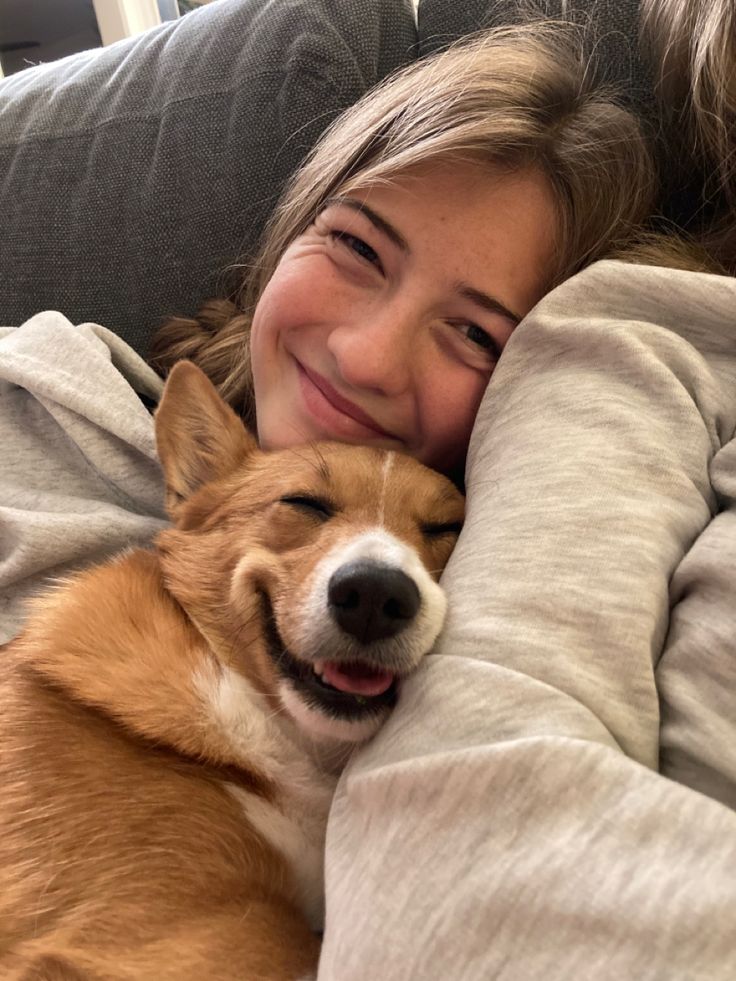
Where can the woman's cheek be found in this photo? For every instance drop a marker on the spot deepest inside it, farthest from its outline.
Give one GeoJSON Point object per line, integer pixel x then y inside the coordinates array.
{"type": "Point", "coordinates": [306, 289]}
{"type": "Point", "coordinates": [451, 402]}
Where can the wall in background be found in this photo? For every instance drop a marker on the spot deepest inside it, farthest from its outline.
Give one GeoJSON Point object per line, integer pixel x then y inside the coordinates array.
{"type": "Point", "coordinates": [33, 32]}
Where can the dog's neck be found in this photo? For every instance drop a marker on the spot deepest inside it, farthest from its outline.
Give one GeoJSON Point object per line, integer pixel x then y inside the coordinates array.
{"type": "Point", "coordinates": [115, 640]}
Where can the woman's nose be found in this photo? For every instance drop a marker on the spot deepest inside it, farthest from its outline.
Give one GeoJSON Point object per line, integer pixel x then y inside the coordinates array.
{"type": "Point", "coordinates": [376, 352]}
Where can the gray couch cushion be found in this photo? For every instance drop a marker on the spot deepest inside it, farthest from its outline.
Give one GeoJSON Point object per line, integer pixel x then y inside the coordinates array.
{"type": "Point", "coordinates": [131, 177]}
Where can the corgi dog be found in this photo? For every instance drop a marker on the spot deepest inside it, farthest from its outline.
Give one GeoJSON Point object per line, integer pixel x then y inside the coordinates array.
{"type": "Point", "coordinates": [173, 721]}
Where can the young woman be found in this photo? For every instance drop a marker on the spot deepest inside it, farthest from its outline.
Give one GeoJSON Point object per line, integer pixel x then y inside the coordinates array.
{"type": "Point", "coordinates": [692, 47]}
{"type": "Point", "coordinates": [425, 225]}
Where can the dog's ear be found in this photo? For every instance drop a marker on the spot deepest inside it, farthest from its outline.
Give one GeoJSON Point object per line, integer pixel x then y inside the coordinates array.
{"type": "Point", "coordinates": [199, 437]}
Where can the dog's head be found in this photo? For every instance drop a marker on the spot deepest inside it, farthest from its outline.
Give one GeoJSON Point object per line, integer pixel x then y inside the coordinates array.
{"type": "Point", "coordinates": [311, 571]}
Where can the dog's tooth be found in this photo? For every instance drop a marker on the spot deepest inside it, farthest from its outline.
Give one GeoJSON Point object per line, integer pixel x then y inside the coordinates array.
{"type": "Point", "coordinates": [318, 667]}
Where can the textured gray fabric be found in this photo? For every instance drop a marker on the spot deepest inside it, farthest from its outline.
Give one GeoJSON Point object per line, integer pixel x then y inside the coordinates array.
{"type": "Point", "coordinates": [509, 821]}
{"type": "Point", "coordinates": [131, 177]}
{"type": "Point", "coordinates": [696, 677]}
{"type": "Point", "coordinates": [80, 478]}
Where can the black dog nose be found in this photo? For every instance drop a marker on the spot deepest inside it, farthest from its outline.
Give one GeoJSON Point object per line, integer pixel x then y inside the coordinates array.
{"type": "Point", "coordinates": [371, 601]}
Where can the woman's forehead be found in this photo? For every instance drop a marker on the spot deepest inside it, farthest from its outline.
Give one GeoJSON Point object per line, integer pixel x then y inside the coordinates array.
{"type": "Point", "coordinates": [491, 220]}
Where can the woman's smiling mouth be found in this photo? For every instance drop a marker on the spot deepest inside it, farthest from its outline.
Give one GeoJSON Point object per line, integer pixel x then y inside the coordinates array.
{"type": "Point", "coordinates": [338, 416]}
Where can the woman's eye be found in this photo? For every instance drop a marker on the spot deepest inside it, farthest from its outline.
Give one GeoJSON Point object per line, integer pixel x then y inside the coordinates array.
{"type": "Point", "coordinates": [480, 338]}
{"type": "Point", "coordinates": [358, 246]}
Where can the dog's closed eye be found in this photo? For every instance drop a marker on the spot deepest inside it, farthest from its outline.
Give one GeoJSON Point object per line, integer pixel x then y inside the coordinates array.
{"type": "Point", "coordinates": [438, 529]}
{"type": "Point", "coordinates": [317, 506]}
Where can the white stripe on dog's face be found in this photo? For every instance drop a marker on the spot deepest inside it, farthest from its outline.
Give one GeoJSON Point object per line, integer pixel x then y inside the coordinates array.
{"type": "Point", "coordinates": [318, 634]}
{"type": "Point", "coordinates": [387, 464]}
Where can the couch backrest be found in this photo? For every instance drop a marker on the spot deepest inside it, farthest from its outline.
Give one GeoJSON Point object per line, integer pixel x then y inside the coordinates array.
{"type": "Point", "coordinates": [131, 177]}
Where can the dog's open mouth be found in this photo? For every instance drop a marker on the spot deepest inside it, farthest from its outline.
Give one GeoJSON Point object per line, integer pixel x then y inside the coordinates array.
{"type": "Point", "coordinates": [346, 690]}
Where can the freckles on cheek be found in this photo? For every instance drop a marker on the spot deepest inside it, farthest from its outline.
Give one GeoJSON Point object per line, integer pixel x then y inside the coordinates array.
{"type": "Point", "coordinates": [272, 300]}
{"type": "Point", "coordinates": [457, 396]}
{"type": "Point", "coordinates": [300, 292]}
{"type": "Point", "coordinates": [449, 414]}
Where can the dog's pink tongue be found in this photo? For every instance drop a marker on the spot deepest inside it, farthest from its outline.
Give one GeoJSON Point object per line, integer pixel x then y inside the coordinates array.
{"type": "Point", "coordinates": [357, 679]}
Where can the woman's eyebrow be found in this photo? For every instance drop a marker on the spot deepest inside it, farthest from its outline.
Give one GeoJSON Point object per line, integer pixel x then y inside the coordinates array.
{"type": "Point", "coordinates": [489, 303]}
{"type": "Point", "coordinates": [465, 290]}
{"type": "Point", "coordinates": [381, 224]}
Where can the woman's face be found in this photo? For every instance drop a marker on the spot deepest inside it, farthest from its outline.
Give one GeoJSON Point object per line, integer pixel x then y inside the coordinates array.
{"type": "Point", "coordinates": [383, 322]}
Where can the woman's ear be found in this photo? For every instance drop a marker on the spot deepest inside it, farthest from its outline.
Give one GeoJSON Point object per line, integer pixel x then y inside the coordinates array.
{"type": "Point", "coordinates": [199, 437]}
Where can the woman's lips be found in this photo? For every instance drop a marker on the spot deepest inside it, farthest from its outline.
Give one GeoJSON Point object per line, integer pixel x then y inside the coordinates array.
{"type": "Point", "coordinates": [332, 410]}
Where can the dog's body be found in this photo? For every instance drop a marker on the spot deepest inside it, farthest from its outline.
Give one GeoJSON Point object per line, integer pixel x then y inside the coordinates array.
{"type": "Point", "coordinates": [172, 723]}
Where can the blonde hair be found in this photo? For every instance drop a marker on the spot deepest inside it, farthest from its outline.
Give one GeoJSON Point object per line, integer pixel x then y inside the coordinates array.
{"type": "Point", "coordinates": [674, 250]}
{"type": "Point", "coordinates": [692, 47]}
{"type": "Point", "coordinates": [516, 97]}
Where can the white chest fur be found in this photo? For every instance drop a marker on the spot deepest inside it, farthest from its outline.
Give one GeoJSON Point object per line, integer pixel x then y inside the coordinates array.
{"type": "Point", "coordinates": [295, 823]}
{"type": "Point", "coordinates": [296, 827]}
